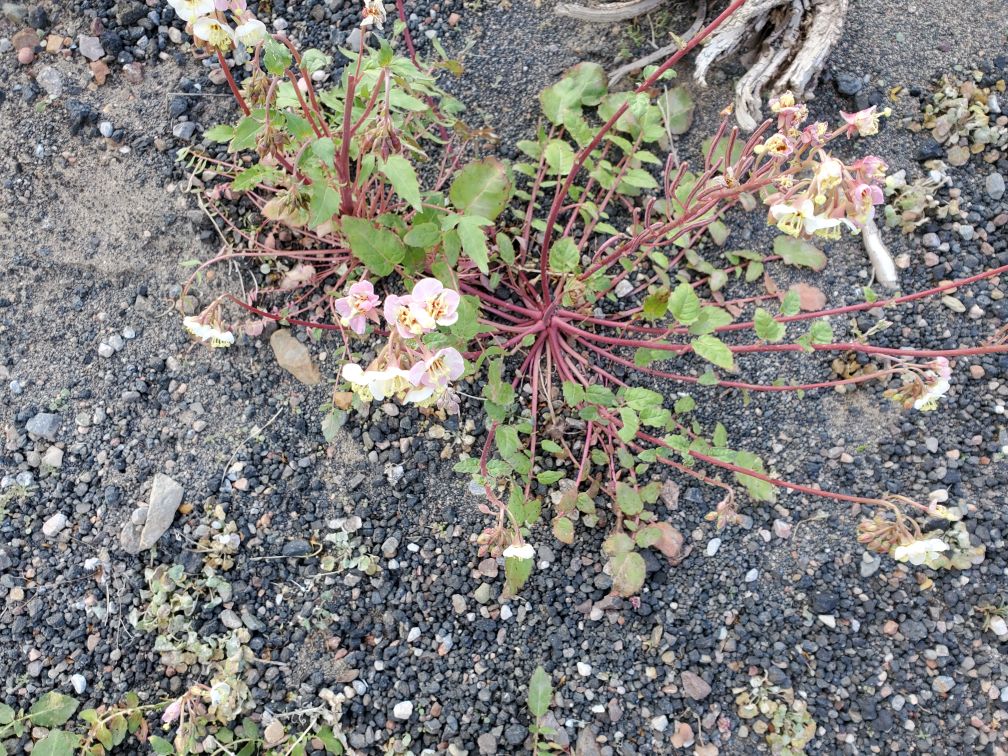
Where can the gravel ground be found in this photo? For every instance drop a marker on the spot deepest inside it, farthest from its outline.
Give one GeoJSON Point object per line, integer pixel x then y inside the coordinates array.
{"type": "Point", "coordinates": [102, 390]}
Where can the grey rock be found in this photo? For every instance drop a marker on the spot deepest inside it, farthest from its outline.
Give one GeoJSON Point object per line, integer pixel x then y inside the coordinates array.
{"type": "Point", "coordinates": [184, 130]}
{"type": "Point", "coordinates": [995, 185]}
{"type": "Point", "coordinates": [45, 424]}
{"type": "Point", "coordinates": [353, 40]}
{"type": "Point", "coordinates": [90, 47]}
{"type": "Point", "coordinates": [54, 525]}
{"type": "Point", "coordinates": [53, 457]}
{"type": "Point", "coordinates": [165, 497]}
{"type": "Point", "coordinates": [712, 546]}
{"type": "Point", "coordinates": [848, 83]}
{"type": "Point", "coordinates": [389, 547]}
{"type": "Point", "coordinates": [296, 548]}
{"type": "Point", "coordinates": [487, 744]}
{"type": "Point", "coordinates": [230, 619]}
{"type": "Point", "coordinates": [942, 684]}
{"type": "Point", "coordinates": [514, 734]}
{"type": "Point", "coordinates": [50, 80]}
{"type": "Point", "coordinates": [105, 350]}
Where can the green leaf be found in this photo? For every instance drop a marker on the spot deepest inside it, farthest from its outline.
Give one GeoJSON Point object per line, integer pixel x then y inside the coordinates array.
{"type": "Point", "coordinates": [313, 60]}
{"type": "Point", "coordinates": [423, 235]}
{"type": "Point", "coordinates": [631, 424]}
{"type": "Point", "coordinates": [254, 176]}
{"type": "Point", "coordinates": [720, 437]}
{"type": "Point", "coordinates": [563, 530]}
{"type": "Point", "coordinates": [601, 395]}
{"type": "Point", "coordinates": [160, 746]}
{"type": "Point", "coordinates": [559, 156]}
{"type": "Point", "coordinates": [505, 248]}
{"type": "Point", "coordinates": [641, 398]}
{"type": "Point", "coordinates": [628, 571]}
{"type": "Point", "coordinates": [684, 404]}
{"type": "Point", "coordinates": [711, 318]}
{"type": "Point", "coordinates": [759, 490]}
{"type": "Point", "coordinates": [799, 252]}
{"type": "Point", "coordinates": [482, 188]}
{"type": "Point", "coordinates": [378, 249]}
{"type": "Point", "coordinates": [516, 572]}
{"type": "Point", "coordinates": [656, 304]}
{"type": "Point", "coordinates": [220, 133]}
{"type": "Point", "coordinates": [548, 477]}
{"type": "Point", "coordinates": [648, 536]}
{"type": "Point", "coordinates": [712, 349]}
{"type": "Point", "coordinates": [6, 714]}
{"type": "Point", "coordinates": [791, 303]}
{"type": "Point", "coordinates": [583, 84]}
{"type": "Point", "coordinates": [400, 173]}
{"type": "Point", "coordinates": [766, 327]}
{"type": "Point", "coordinates": [329, 741]}
{"type": "Point", "coordinates": [563, 256]}
{"type": "Point", "coordinates": [540, 693]}
{"type": "Point", "coordinates": [684, 304]}
{"type": "Point", "coordinates": [573, 393]}
{"type": "Point", "coordinates": [473, 239]}
{"type": "Point", "coordinates": [677, 109]}
{"type": "Point", "coordinates": [325, 150]}
{"type": "Point", "coordinates": [52, 710]}
{"type": "Point", "coordinates": [57, 743]}
{"type": "Point", "coordinates": [550, 446]}
{"type": "Point", "coordinates": [276, 57]}
{"type": "Point", "coordinates": [628, 500]}
{"type": "Point", "coordinates": [506, 439]}
{"type": "Point", "coordinates": [325, 203]}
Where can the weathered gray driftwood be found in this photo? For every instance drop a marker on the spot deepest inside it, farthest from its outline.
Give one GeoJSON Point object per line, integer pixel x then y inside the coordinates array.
{"type": "Point", "coordinates": [786, 42]}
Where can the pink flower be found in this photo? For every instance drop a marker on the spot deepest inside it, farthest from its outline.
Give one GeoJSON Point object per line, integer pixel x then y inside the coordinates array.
{"type": "Point", "coordinates": [864, 122]}
{"type": "Point", "coordinates": [864, 197]}
{"type": "Point", "coordinates": [437, 302]}
{"type": "Point", "coordinates": [941, 366]}
{"type": "Point", "coordinates": [358, 306]}
{"type": "Point", "coordinates": [402, 312]}
{"type": "Point", "coordinates": [869, 168]}
{"type": "Point", "coordinates": [173, 711]}
{"type": "Point", "coordinates": [434, 374]}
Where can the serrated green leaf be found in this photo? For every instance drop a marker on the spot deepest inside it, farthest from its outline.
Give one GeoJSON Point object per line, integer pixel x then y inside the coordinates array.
{"type": "Point", "coordinates": [684, 404]}
{"type": "Point", "coordinates": [766, 327]}
{"type": "Point", "coordinates": [563, 530]}
{"type": "Point", "coordinates": [628, 572]}
{"type": "Point", "coordinates": [684, 304]}
{"type": "Point", "coordinates": [711, 318]}
{"type": "Point", "coordinates": [423, 235]}
{"type": "Point", "coordinates": [559, 156]}
{"type": "Point", "coordinates": [712, 349]}
{"type": "Point", "coordinates": [160, 746]}
{"type": "Point", "coordinates": [220, 133]}
{"type": "Point", "coordinates": [563, 255]}
{"type": "Point", "coordinates": [473, 239]}
{"type": "Point", "coordinates": [57, 743]}
{"type": "Point", "coordinates": [400, 173]}
{"type": "Point", "coordinates": [481, 188]}
{"type": "Point", "coordinates": [677, 109]}
{"type": "Point", "coordinates": [628, 500]}
{"type": "Point", "coordinates": [517, 572]}
{"type": "Point", "coordinates": [325, 203]}
{"type": "Point", "coordinates": [548, 477]}
{"type": "Point", "coordinates": [276, 57]}
{"type": "Point", "coordinates": [380, 250]}
{"type": "Point", "coordinates": [52, 710]}
{"type": "Point", "coordinates": [631, 424]}
{"type": "Point", "coordinates": [583, 84]}
{"type": "Point", "coordinates": [791, 303]}
{"type": "Point", "coordinates": [799, 252]}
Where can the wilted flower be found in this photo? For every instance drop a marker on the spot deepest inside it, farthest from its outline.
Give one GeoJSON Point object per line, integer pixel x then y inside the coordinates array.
{"type": "Point", "coordinates": [519, 551]}
{"type": "Point", "coordinates": [790, 217]}
{"type": "Point", "coordinates": [173, 712]}
{"type": "Point", "coordinates": [219, 692]}
{"type": "Point", "coordinates": [864, 122]}
{"type": "Point", "coordinates": [358, 306]}
{"type": "Point", "coordinates": [250, 33]}
{"type": "Point", "coordinates": [190, 10]}
{"type": "Point", "coordinates": [206, 332]}
{"type": "Point", "coordinates": [864, 197]}
{"type": "Point", "coordinates": [374, 13]}
{"type": "Point", "coordinates": [359, 380]}
{"type": "Point", "coordinates": [215, 33]}
{"type": "Point", "coordinates": [776, 146]}
{"type": "Point", "coordinates": [918, 552]}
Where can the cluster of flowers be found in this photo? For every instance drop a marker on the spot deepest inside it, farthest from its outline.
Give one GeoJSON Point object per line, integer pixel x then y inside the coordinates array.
{"type": "Point", "coordinates": [429, 377]}
{"type": "Point", "coordinates": [208, 332]}
{"type": "Point", "coordinates": [210, 23]}
{"type": "Point", "coordinates": [926, 551]}
{"type": "Point", "coordinates": [817, 195]}
{"type": "Point", "coordinates": [923, 385]}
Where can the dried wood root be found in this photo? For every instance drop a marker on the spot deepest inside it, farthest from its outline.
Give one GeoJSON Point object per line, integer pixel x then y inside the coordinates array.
{"type": "Point", "coordinates": [787, 42]}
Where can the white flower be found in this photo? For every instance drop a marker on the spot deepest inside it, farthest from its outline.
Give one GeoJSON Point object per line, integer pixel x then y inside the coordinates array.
{"type": "Point", "coordinates": [374, 13]}
{"type": "Point", "coordinates": [519, 551]}
{"type": "Point", "coordinates": [190, 10]}
{"type": "Point", "coordinates": [213, 32]}
{"type": "Point", "coordinates": [929, 400]}
{"type": "Point", "coordinates": [251, 33]}
{"type": "Point", "coordinates": [919, 552]}
{"type": "Point", "coordinates": [206, 332]}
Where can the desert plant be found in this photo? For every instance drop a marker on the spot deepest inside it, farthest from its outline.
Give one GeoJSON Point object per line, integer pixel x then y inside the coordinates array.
{"type": "Point", "coordinates": [571, 290]}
